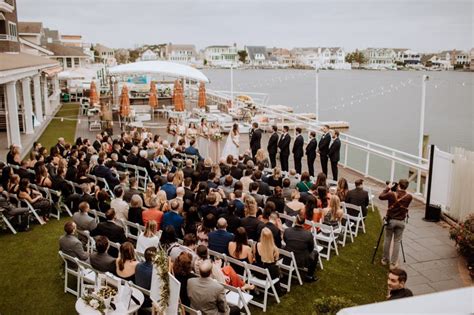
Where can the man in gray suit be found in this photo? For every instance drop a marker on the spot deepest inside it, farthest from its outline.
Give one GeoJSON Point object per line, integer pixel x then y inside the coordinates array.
{"type": "Point", "coordinates": [70, 244]}
{"type": "Point", "coordinates": [101, 260]}
{"type": "Point", "coordinates": [83, 221]}
{"type": "Point", "coordinates": [206, 294]}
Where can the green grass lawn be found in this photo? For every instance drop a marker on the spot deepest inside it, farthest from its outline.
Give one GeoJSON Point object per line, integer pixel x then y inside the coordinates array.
{"type": "Point", "coordinates": [58, 128]}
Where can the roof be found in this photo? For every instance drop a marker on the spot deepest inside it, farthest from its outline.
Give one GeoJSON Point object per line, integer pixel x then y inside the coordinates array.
{"type": "Point", "coordinates": [159, 67]}
{"type": "Point", "coordinates": [34, 46]}
{"type": "Point", "coordinates": [66, 51]}
{"type": "Point", "coordinates": [100, 47]}
{"type": "Point", "coordinates": [426, 57]}
{"type": "Point", "coordinates": [185, 47]}
{"type": "Point", "coordinates": [30, 27]}
{"type": "Point", "coordinates": [253, 50]}
{"type": "Point", "coordinates": [22, 60]}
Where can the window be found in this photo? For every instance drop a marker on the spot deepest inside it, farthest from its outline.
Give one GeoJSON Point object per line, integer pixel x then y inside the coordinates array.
{"type": "Point", "coordinates": [12, 29]}
{"type": "Point", "coordinates": [68, 63]}
{"type": "Point", "coordinates": [76, 62]}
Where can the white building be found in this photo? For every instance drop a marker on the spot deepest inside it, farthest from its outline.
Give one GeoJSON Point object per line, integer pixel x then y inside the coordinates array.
{"type": "Point", "coordinates": [321, 57]}
{"type": "Point", "coordinates": [221, 56]}
{"type": "Point", "coordinates": [68, 57]}
{"type": "Point", "coordinates": [106, 55]}
{"type": "Point", "coordinates": [148, 55]}
{"type": "Point", "coordinates": [380, 58]}
{"type": "Point", "coordinates": [185, 54]}
{"type": "Point", "coordinates": [408, 57]}
{"type": "Point", "coordinates": [257, 56]}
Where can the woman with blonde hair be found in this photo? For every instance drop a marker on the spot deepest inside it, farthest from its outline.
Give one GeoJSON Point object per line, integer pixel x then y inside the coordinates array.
{"type": "Point", "coordinates": [149, 238]}
{"type": "Point", "coordinates": [162, 201]}
{"type": "Point", "coordinates": [334, 212]}
{"type": "Point", "coordinates": [266, 255]}
{"type": "Point", "coordinates": [160, 156]}
{"type": "Point", "coordinates": [178, 178]}
{"type": "Point", "coordinates": [150, 193]}
{"type": "Point", "coordinates": [126, 263]}
{"type": "Point", "coordinates": [276, 179]}
{"type": "Point", "coordinates": [250, 206]}
{"type": "Point", "coordinates": [216, 170]}
{"type": "Point", "coordinates": [261, 158]}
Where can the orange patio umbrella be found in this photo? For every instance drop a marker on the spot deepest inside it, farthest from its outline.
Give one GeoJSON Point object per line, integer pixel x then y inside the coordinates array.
{"type": "Point", "coordinates": [152, 99]}
{"type": "Point", "coordinates": [202, 95]}
{"type": "Point", "coordinates": [178, 97]}
{"type": "Point", "coordinates": [124, 102]}
{"type": "Point", "coordinates": [93, 97]}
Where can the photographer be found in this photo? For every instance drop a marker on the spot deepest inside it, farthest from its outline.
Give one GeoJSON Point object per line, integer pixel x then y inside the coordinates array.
{"type": "Point", "coordinates": [398, 202]}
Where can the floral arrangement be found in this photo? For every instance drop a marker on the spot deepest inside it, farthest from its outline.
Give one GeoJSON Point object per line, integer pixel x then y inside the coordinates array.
{"type": "Point", "coordinates": [107, 292]}
{"type": "Point", "coordinates": [463, 235]}
{"type": "Point", "coordinates": [162, 267]}
{"type": "Point", "coordinates": [95, 302]}
{"type": "Point", "coordinates": [172, 129]}
{"type": "Point", "coordinates": [216, 136]}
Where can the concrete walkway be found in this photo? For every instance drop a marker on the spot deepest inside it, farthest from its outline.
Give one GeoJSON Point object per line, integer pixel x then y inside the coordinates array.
{"type": "Point", "coordinates": [432, 262]}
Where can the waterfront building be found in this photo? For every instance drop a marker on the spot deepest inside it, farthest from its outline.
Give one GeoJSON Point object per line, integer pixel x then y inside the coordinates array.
{"type": "Point", "coordinates": [50, 37]}
{"type": "Point", "coordinates": [471, 64]}
{"type": "Point", "coordinates": [283, 56]}
{"type": "Point", "coordinates": [148, 55]}
{"type": "Point", "coordinates": [377, 58]}
{"type": "Point", "coordinates": [321, 57]}
{"type": "Point", "coordinates": [257, 56]}
{"type": "Point", "coordinates": [105, 55]}
{"type": "Point", "coordinates": [67, 56]}
{"type": "Point", "coordinates": [408, 57]}
{"type": "Point", "coordinates": [221, 55]}
{"type": "Point", "coordinates": [185, 54]}
{"type": "Point", "coordinates": [29, 86]}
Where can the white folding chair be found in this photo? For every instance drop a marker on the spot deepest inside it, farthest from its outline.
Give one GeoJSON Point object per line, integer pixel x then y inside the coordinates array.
{"type": "Point", "coordinates": [266, 284]}
{"type": "Point", "coordinates": [87, 274]}
{"type": "Point", "coordinates": [59, 204]}
{"type": "Point", "coordinates": [289, 268]}
{"type": "Point", "coordinates": [70, 269]}
{"type": "Point", "coordinates": [4, 219]}
{"type": "Point", "coordinates": [189, 310]}
{"type": "Point", "coordinates": [325, 233]}
{"type": "Point", "coordinates": [32, 210]}
{"type": "Point", "coordinates": [345, 229]}
{"type": "Point", "coordinates": [128, 226]}
{"type": "Point", "coordinates": [236, 297]}
{"type": "Point", "coordinates": [90, 242]}
{"type": "Point", "coordinates": [358, 219]}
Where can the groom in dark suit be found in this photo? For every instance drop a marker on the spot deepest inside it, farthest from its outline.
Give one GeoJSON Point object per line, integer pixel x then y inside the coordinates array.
{"type": "Point", "coordinates": [324, 149]}
{"type": "Point", "coordinates": [333, 153]}
{"type": "Point", "coordinates": [311, 152]}
{"type": "Point", "coordinates": [298, 150]}
{"type": "Point", "coordinates": [284, 146]}
{"type": "Point", "coordinates": [255, 138]}
{"type": "Point", "coordinates": [272, 146]}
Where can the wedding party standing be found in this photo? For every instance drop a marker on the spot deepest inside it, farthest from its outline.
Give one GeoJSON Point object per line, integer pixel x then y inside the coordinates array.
{"type": "Point", "coordinates": [181, 130]}
{"type": "Point", "coordinates": [284, 146]}
{"type": "Point", "coordinates": [324, 149]}
{"type": "Point", "coordinates": [204, 137]}
{"type": "Point", "coordinates": [272, 146]}
{"type": "Point", "coordinates": [333, 153]}
{"type": "Point", "coordinates": [311, 152]}
{"type": "Point", "coordinates": [215, 136]}
{"type": "Point", "coordinates": [298, 150]}
{"type": "Point", "coordinates": [255, 138]}
{"type": "Point", "coordinates": [191, 133]}
{"type": "Point", "coordinates": [232, 144]}
{"type": "Point", "coordinates": [172, 130]}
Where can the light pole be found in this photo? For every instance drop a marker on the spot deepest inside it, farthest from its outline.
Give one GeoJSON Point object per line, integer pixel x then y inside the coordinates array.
{"type": "Point", "coordinates": [424, 79]}
{"type": "Point", "coordinates": [232, 83]}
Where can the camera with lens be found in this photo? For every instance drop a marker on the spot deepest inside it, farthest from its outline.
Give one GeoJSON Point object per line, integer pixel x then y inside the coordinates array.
{"type": "Point", "coordinates": [393, 187]}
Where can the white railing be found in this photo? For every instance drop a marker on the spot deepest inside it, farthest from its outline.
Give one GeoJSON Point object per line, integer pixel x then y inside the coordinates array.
{"type": "Point", "coordinates": [6, 37]}
{"type": "Point", "coordinates": [370, 149]}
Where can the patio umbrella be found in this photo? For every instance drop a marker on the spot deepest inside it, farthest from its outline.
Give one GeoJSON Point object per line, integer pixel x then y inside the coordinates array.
{"type": "Point", "coordinates": [178, 97]}
{"type": "Point", "coordinates": [202, 95]}
{"type": "Point", "coordinates": [152, 99]}
{"type": "Point", "coordinates": [124, 102]}
{"type": "Point", "coordinates": [93, 97]}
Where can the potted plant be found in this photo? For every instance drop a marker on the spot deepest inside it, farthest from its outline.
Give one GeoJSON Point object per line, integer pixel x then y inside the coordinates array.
{"type": "Point", "coordinates": [463, 235]}
{"type": "Point", "coordinates": [330, 305]}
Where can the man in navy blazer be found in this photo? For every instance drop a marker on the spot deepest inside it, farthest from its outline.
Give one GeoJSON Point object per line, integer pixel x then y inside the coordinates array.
{"type": "Point", "coordinates": [191, 150]}
{"type": "Point", "coordinates": [219, 239]}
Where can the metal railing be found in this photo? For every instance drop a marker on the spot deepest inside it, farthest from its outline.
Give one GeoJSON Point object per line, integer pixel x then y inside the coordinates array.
{"type": "Point", "coordinates": [395, 157]}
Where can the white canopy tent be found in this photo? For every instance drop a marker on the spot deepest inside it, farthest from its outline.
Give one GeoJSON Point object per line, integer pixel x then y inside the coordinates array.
{"type": "Point", "coordinates": [459, 301]}
{"type": "Point", "coordinates": [159, 68]}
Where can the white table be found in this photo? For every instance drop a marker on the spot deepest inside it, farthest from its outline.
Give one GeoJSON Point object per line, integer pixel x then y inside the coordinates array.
{"type": "Point", "coordinates": [83, 308]}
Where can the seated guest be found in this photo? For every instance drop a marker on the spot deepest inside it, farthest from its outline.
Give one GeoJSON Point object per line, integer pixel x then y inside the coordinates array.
{"type": "Point", "coordinates": [173, 218]}
{"type": "Point", "coordinates": [259, 198]}
{"type": "Point", "coordinates": [261, 158]}
{"type": "Point", "coordinates": [263, 188]}
{"type": "Point", "coordinates": [189, 245]}
{"type": "Point", "coordinates": [311, 213]}
{"type": "Point", "coordinates": [228, 185]}
{"type": "Point", "coordinates": [397, 279]}
{"type": "Point", "coordinates": [126, 263]}
{"type": "Point", "coordinates": [235, 170]}
{"type": "Point", "coordinates": [286, 192]}
{"type": "Point", "coordinates": [183, 271]}
{"type": "Point", "coordinates": [358, 196]}
{"type": "Point", "coordinates": [180, 193]}
{"type": "Point", "coordinates": [305, 183]}
{"type": "Point", "coordinates": [119, 205]}
{"type": "Point", "coordinates": [191, 150]}
{"type": "Point", "coordinates": [238, 201]}
{"type": "Point", "coordinates": [86, 196]}
{"type": "Point", "coordinates": [205, 294]}
{"type": "Point", "coordinates": [101, 260]}
{"type": "Point", "coordinates": [251, 224]}
{"type": "Point", "coordinates": [207, 226]}
{"type": "Point", "coordinates": [239, 249]}
{"type": "Point", "coordinates": [133, 190]}
{"type": "Point", "coordinates": [144, 272]}
{"type": "Point", "coordinates": [276, 178]}
{"type": "Point", "coordinates": [136, 209]}
{"type": "Point", "coordinates": [246, 180]}
{"type": "Point", "coordinates": [103, 171]}
{"type": "Point", "coordinates": [277, 199]}
{"type": "Point", "coordinates": [70, 244]}
{"type": "Point", "coordinates": [233, 221]}
{"type": "Point", "coordinates": [272, 222]}
{"type": "Point", "coordinates": [342, 189]}
{"type": "Point", "coordinates": [293, 177]}
{"type": "Point", "coordinates": [153, 213]}
{"type": "Point", "coordinates": [301, 243]}
{"type": "Point", "coordinates": [148, 238]}
{"type": "Point", "coordinates": [21, 216]}
{"type": "Point", "coordinates": [144, 162]}
{"type": "Point", "coordinates": [83, 220]}
{"type": "Point", "coordinates": [169, 188]}
{"type": "Point", "coordinates": [111, 230]}
{"type": "Point", "coordinates": [34, 197]}
{"type": "Point", "coordinates": [321, 180]}
{"type": "Point", "coordinates": [168, 238]}
{"type": "Point", "coordinates": [266, 256]}
{"type": "Point", "coordinates": [219, 239]}
{"type": "Point", "coordinates": [132, 157]}
{"type": "Point", "coordinates": [333, 214]}
{"type": "Point", "coordinates": [188, 170]}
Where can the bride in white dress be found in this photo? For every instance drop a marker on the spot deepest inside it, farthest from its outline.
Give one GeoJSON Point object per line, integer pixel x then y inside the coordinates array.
{"type": "Point", "coordinates": [232, 144]}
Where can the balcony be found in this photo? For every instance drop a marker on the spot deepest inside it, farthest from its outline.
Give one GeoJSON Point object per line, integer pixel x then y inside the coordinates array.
{"type": "Point", "coordinates": [6, 6]}
{"type": "Point", "coordinates": [5, 37]}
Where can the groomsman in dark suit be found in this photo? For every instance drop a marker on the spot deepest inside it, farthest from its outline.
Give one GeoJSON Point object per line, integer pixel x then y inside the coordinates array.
{"type": "Point", "coordinates": [272, 146]}
{"type": "Point", "coordinates": [255, 139]}
{"type": "Point", "coordinates": [298, 150]}
{"type": "Point", "coordinates": [324, 149]}
{"type": "Point", "coordinates": [284, 146]}
{"type": "Point", "coordinates": [311, 152]}
{"type": "Point", "coordinates": [333, 153]}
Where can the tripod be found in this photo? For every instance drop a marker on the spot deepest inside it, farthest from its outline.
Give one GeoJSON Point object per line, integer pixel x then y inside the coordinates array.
{"type": "Point", "coordinates": [378, 243]}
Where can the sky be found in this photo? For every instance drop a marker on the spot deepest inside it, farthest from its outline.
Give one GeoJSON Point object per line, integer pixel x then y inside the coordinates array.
{"type": "Point", "coordinates": [422, 25]}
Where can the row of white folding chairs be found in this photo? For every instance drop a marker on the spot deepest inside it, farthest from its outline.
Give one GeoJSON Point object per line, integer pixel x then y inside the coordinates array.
{"type": "Point", "coordinates": [352, 186]}
{"type": "Point", "coordinates": [99, 180]}
{"type": "Point", "coordinates": [56, 199]}
{"type": "Point", "coordinates": [266, 284]}
{"type": "Point", "coordinates": [140, 173]}
{"type": "Point", "coordinates": [21, 202]}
